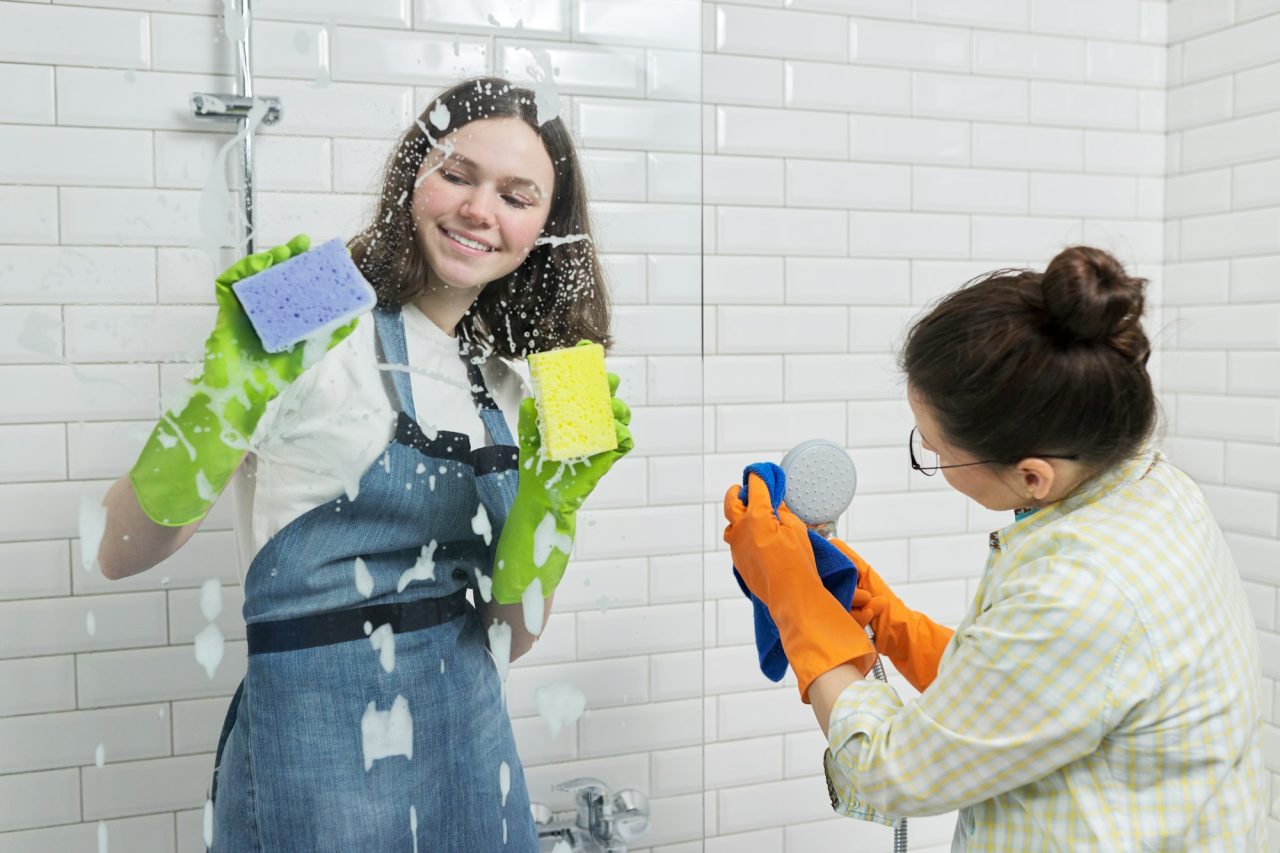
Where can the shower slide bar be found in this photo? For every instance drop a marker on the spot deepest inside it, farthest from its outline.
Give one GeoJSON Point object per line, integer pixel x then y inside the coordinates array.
{"type": "Point", "coordinates": [238, 107]}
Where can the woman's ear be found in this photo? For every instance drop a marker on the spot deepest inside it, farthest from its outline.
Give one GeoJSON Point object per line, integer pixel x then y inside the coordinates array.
{"type": "Point", "coordinates": [1037, 477]}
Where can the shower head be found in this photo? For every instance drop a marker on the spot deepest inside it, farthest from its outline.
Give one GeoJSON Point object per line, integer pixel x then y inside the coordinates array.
{"type": "Point", "coordinates": [821, 480]}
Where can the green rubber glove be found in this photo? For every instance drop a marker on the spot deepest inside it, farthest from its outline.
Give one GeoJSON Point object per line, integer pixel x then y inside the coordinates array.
{"type": "Point", "coordinates": [538, 534]}
{"type": "Point", "coordinates": [197, 446]}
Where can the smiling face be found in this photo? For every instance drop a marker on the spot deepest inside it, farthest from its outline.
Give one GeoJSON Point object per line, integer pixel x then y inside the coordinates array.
{"type": "Point", "coordinates": [481, 200]}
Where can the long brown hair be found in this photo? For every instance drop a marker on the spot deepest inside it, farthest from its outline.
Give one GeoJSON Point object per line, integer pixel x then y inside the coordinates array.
{"type": "Point", "coordinates": [1019, 363]}
{"type": "Point", "coordinates": [556, 297]}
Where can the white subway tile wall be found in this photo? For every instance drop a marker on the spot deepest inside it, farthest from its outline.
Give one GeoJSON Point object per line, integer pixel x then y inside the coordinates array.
{"type": "Point", "coordinates": [979, 135]}
{"type": "Point", "coordinates": [1222, 301]}
{"type": "Point", "coordinates": [850, 160]}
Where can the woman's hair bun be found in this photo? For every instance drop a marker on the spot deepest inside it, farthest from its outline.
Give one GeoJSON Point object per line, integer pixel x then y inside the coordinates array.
{"type": "Point", "coordinates": [1089, 298]}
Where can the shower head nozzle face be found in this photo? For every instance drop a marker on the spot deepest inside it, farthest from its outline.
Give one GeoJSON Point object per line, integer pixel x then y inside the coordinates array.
{"type": "Point", "coordinates": [821, 480]}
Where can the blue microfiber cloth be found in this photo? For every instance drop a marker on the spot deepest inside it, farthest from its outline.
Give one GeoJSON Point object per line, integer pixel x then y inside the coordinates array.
{"type": "Point", "coordinates": [308, 295]}
{"type": "Point", "coordinates": [837, 571]}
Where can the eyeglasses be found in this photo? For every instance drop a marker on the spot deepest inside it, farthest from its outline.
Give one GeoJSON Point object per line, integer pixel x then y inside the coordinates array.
{"type": "Point", "coordinates": [915, 446]}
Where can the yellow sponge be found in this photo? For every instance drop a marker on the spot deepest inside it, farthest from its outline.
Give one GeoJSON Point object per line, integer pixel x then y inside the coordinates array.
{"type": "Point", "coordinates": [575, 413]}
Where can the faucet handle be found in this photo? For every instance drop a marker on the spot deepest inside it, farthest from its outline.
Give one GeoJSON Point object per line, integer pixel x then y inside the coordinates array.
{"type": "Point", "coordinates": [585, 784]}
{"type": "Point", "coordinates": [630, 820]}
{"type": "Point", "coordinates": [593, 800]}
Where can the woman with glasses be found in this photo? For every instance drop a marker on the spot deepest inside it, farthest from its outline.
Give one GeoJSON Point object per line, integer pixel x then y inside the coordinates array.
{"type": "Point", "coordinates": [1074, 707]}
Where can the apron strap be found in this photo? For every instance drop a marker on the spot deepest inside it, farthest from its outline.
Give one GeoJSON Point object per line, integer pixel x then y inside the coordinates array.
{"type": "Point", "coordinates": [495, 423]}
{"type": "Point", "coordinates": [479, 391]}
{"type": "Point", "coordinates": [393, 353]}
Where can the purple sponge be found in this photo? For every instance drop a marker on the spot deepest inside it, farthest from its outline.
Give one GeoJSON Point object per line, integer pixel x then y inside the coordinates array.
{"type": "Point", "coordinates": [308, 295]}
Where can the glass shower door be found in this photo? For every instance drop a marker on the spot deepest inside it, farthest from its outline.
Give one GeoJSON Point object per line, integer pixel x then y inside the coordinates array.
{"type": "Point", "coordinates": [115, 691]}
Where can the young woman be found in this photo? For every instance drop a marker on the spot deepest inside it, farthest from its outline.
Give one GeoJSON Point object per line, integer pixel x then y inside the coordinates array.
{"type": "Point", "coordinates": [1102, 691]}
{"type": "Point", "coordinates": [375, 480]}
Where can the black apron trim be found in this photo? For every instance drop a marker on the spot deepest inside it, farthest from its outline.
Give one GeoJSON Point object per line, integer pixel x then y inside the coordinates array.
{"type": "Point", "coordinates": [340, 626]}
{"type": "Point", "coordinates": [447, 444]}
{"type": "Point", "coordinates": [494, 458]}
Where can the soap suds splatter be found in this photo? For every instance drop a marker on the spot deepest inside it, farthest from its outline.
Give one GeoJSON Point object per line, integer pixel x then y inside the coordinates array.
{"type": "Point", "coordinates": [439, 116]}
{"type": "Point", "coordinates": [559, 705]}
{"type": "Point", "coordinates": [364, 580]}
{"type": "Point", "coordinates": [546, 538]}
{"type": "Point", "coordinates": [204, 489]}
{"type": "Point", "coordinates": [324, 75]}
{"type": "Point", "coordinates": [208, 823]}
{"type": "Point", "coordinates": [480, 524]}
{"type": "Point", "coordinates": [387, 733]}
{"type": "Point", "coordinates": [428, 429]}
{"type": "Point", "coordinates": [209, 648]}
{"type": "Point", "coordinates": [211, 599]}
{"type": "Point", "coordinates": [423, 569]}
{"type": "Point", "coordinates": [484, 586]}
{"type": "Point", "coordinates": [384, 643]}
{"type": "Point", "coordinates": [552, 240]}
{"type": "Point", "coordinates": [534, 608]}
{"type": "Point", "coordinates": [93, 523]}
{"type": "Point", "coordinates": [546, 95]}
{"type": "Point", "coordinates": [500, 647]}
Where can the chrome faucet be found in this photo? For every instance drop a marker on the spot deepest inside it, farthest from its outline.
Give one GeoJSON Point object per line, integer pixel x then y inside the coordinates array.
{"type": "Point", "coordinates": [602, 822]}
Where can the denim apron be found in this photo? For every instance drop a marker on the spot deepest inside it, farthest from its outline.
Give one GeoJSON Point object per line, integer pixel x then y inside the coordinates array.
{"type": "Point", "coordinates": [323, 749]}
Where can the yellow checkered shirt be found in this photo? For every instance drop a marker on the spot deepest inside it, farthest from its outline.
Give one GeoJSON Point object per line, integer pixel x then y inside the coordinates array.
{"type": "Point", "coordinates": [1101, 693]}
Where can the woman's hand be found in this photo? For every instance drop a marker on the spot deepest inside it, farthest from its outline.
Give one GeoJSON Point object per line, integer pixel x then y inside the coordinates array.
{"type": "Point", "coordinates": [766, 545]}
{"type": "Point", "coordinates": [774, 557]}
{"type": "Point", "coordinates": [566, 485]}
{"type": "Point", "coordinates": [193, 450]}
{"type": "Point", "coordinates": [539, 531]}
{"type": "Point", "coordinates": [234, 356]}
{"type": "Point", "coordinates": [911, 640]}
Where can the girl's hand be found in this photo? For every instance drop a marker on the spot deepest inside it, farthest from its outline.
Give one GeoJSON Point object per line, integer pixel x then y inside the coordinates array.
{"type": "Point", "coordinates": [567, 484]}
{"type": "Point", "coordinates": [539, 531]}
{"type": "Point", "coordinates": [196, 447]}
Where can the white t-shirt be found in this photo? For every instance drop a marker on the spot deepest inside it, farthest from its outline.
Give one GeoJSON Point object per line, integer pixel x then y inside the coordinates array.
{"type": "Point", "coordinates": [320, 435]}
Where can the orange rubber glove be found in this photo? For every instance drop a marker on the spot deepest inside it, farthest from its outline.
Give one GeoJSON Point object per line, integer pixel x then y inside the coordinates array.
{"type": "Point", "coordinates": [911, 640]}
{"type": "Point", "coordinates": [775, 559]}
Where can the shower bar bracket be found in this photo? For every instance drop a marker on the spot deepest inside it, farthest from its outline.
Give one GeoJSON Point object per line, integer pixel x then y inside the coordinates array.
{"type": "Point", "coordinates": [234, 107]}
